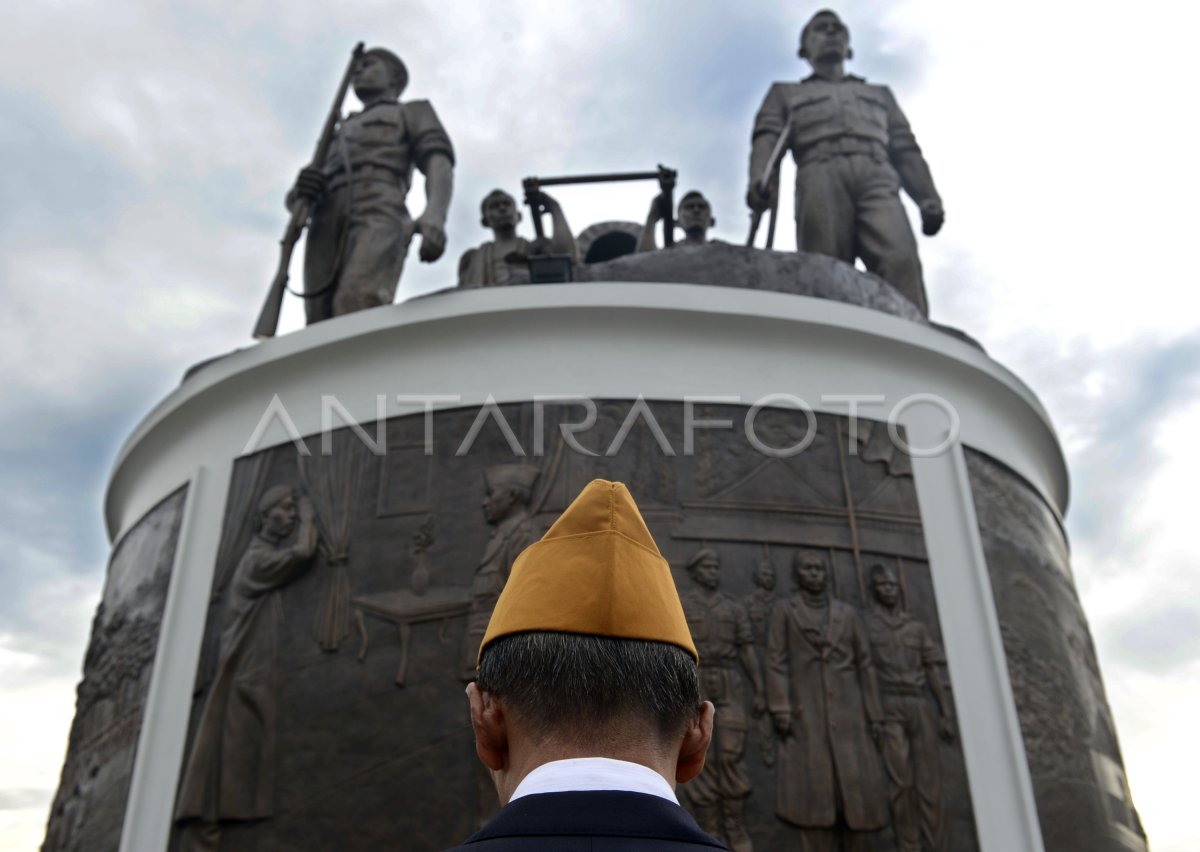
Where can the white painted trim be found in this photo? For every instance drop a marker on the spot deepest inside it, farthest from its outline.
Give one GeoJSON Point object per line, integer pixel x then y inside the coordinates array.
{"type": "Point", "coordinates": [1001, 788]}
{"type": "Point", "coordinates": [156, 767]}
{"type": "Point", "coordinates": [610, 340]}
{"type": "Point", "coordinates": [616, 341]}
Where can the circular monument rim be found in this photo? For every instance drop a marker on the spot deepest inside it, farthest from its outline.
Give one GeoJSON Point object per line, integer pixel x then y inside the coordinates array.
{"type": "Point", "coordinates": [668, 321]}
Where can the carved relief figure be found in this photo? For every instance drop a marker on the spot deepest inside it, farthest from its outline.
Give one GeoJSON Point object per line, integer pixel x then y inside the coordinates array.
{"type": "Point", "coordinates": [694, 217]}
{"type": "Point", "coordinates": [758, 606]}
{"type": "Point", "coordinates": [361, 229]}
{"type": "Point", "coordinates": [854, 150]}
{"type": "Point", "coordinates": [758, 603]}
{"type": "Point", "coordinates": [230, 773]}
{"type": "Point", "coordinates": [906, 659]}
{"type": "Point", "coordinates": [824, 702]}
{"type": "Point", "coordinates": [506, 508]}
{"type": "Point", "coordinates": [723, 635]}
{"type": "Point", "coordinates": [494, 261]}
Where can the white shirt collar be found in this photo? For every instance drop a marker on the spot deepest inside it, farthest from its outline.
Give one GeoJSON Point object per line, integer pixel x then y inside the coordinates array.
{"type": "Point", "coordinates": [594, 773]}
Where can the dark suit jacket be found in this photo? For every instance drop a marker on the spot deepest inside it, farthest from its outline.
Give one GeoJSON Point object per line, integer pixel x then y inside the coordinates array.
{"type": "Point", "coordinates": [601, 821]}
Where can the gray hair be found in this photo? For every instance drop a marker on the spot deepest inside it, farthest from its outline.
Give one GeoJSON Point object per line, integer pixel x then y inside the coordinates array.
{"type": "Point", "coordinates": [576, 686]}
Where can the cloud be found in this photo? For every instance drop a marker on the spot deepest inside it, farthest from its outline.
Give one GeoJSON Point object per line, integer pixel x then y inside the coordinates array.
{"type": "Point", "coordinates": [148, 147]}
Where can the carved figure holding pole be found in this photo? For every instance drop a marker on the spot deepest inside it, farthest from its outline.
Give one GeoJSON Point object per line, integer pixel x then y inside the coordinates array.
{"type": "Point", "coordinates": [493, 262]}
{"type": "Point", "coordinates": [694, 217]}
{"type": "Point", "coordinates": [353, 195]}
{"type": "Point", "coordinates": [906, 659]}
{"type": "Point", "coordinates": [854, 150]}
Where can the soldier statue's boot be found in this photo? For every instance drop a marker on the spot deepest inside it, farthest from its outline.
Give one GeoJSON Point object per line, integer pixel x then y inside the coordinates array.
{"type": "Point", "coordinates": [733, 819]}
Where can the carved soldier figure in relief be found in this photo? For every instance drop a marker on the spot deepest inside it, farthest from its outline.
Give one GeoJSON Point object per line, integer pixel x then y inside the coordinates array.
{"type": "Point", "coordinates": [494, 261]}
{"type": "Point", "coordinates": [361, 228]}
{"type": "Point", "coordinates": [854, 150]}
{"type": "Point", "coordinates": [824, 702]}
{"type": "Point", "coordinates": [758, 606]}
{"type": "Point", "coordinates": [230, 773]}
{"type": "Point", "coordinates": [758, 603]}
{"type": "Point", "coordinates": [906, 659]}
{"type": "Point", "coordinates": [506, 509]}
{"type": "Point", "coordinates": [694, 217]}
{"type": "Point", "coordinates": [723, 636]}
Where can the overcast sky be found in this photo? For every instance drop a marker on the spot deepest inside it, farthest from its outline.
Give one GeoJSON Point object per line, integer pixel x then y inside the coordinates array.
{"type": "Point", "coordinates": [147, 145]}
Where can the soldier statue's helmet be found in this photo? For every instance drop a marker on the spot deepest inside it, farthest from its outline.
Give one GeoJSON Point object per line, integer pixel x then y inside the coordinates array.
{"type": "Point", "coordinates": [398, 68]}
{"type": "Point", "coordinates": [704, 554]}
{"type": "Point", "coordinates": [881, 571]}
{"type": "Point", "coordinates": [812, 20]}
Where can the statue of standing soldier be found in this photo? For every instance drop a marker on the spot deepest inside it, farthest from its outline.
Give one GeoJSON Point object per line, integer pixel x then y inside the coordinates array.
{"type": "Point", "coordinates": [854, 150]}
{"type": "Point", "coordinates": [361, 228]}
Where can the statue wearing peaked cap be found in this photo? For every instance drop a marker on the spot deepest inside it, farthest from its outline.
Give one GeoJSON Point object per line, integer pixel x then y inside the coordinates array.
{"type": "Point", "coordinates": [587, 709]}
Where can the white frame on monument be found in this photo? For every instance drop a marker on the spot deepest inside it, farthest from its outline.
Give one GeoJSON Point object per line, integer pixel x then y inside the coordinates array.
{"type": "Point", "coordinates": [624, 340]}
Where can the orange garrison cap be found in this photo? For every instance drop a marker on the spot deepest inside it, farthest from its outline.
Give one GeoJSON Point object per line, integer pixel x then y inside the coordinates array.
{"type": "Point", "coordinates": [597, 572]}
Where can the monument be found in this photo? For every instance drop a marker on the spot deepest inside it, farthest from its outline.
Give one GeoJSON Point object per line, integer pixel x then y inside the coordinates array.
{"type": "Point", "coordinates": [861, 509]}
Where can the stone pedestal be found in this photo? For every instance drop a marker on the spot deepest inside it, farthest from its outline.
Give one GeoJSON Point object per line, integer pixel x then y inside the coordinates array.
{"type": "Point", "coordinates": [728, 412]}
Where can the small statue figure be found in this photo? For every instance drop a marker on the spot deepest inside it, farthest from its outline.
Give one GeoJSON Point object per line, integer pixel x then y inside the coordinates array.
{"type": "Point", "coordinates": [854, 150]}
{"type": "Point", "coordinates": [906, 659]}
{"type": "Point", "coordinates": [494, 261]}
{"type": "Point", "coordinates": [694, 217]}
{"type": "Point", "coordinates": [361, 229]}
{"type": "Point", "coordinates": [824, 702]}
{"type": "Point", "coordinates": [723, 636]}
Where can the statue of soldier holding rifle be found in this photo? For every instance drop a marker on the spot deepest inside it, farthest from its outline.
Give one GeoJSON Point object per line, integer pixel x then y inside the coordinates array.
{"type": "Point", "coordinates": [854, 150]}
{"type": "Point", "coordinates": [355, 190]}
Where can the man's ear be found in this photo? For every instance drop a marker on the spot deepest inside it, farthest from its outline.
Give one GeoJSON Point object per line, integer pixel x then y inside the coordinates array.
{"type": "Point", "coordinates": [695, 744]}
{"type": "Point", "coordinates": [490, 726]}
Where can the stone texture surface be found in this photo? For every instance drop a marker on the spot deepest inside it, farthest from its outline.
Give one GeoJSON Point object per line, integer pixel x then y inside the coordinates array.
{"type": "Point", "coordinates": [89, 808]}
{"type": "Point", "coordinates": [727, 265]}
{"type": "Point", "coordinates": [363, 763]}
{"type": "Point", "coordinates": [1079, 783]}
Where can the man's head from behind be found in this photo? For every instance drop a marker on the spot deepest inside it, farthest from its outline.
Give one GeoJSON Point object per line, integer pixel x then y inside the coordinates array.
{"type": "Point", "coordinates": [588, 653]}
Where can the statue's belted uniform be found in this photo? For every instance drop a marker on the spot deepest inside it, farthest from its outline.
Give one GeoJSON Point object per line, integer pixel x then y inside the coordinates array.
{"type": "Point", "coordinates": [361, 229]}
{"type": "Point", "coordinates": [844, 135]}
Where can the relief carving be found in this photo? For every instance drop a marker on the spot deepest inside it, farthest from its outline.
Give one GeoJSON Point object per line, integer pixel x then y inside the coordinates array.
{"type": "Point", "coordinates": [725, 640]}
{"type": "Point", "coordinates": [824, 701]}
{"type": "Point", "coordinates": [907, 660]}
{"type": "Point", "coordinates": [230, 772]}
{"type": "Point", "coordinates": [349, 744]}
